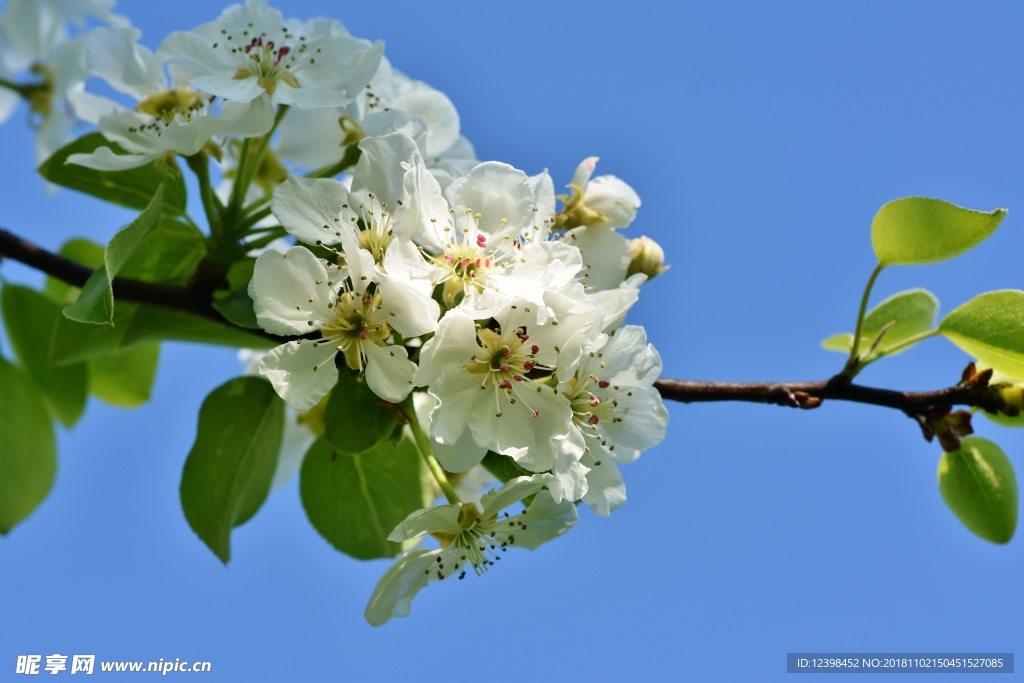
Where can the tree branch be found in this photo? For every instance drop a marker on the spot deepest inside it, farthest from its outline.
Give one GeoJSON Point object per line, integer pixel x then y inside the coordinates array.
{"type": "Point", "coordinates": [184, 299]}
{"type": "Point", "coordinates": [806, 395]}
{"type": "Point", "coordinates": [812, 394]}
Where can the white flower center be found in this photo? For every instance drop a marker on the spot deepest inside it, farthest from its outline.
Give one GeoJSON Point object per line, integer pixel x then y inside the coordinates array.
{"type": "Point", "coordinates": [355, 323]}
{"type": "Point", "coordinates": [466, 269]}
{"type": "Point", "coordinates": [588, 408]}
{"type": "Point", "coordinates": [265, 58]}
{"type": "Point", "coordinates": [169, 104]}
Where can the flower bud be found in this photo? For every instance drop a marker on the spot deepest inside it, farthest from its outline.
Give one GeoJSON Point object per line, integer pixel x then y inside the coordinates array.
{"type": "Point", "coordinates": [648, 258]}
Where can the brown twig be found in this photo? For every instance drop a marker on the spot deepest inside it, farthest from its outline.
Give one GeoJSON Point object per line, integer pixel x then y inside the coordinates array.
{"type": "Point", "coordinates": [916, 404]}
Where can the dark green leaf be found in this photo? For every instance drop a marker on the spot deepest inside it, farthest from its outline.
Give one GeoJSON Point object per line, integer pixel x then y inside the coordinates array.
{"type": "Point", "coordinates": [356, 500]}
{"type": "Point", "coordinates": [234, 303]}
{"type": "Point", "coordinates": [228, 472]}
{"type": "Point", "coordinates": [31, 317]}
{"type": "Point", "coordinates": [503, 467]}
{"type": "Point", "coordinates": [355, 419]}
{"type": "Point", "coordinates": [95, 304]}
{"type": "Point", "coordinates": [979, 486]}
{"type": "Point", "coordinates": [133, 188]}
{"type": "Point", "coordinates": [28, 449]}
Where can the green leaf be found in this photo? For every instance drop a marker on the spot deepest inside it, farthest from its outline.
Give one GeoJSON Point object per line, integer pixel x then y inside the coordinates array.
{"type": "Point", "coordinates": [31, 318]}
{"type": "Point", "coordinates": [911, 313]}
{"type": "Point", "coordinates": [990, 327]}
{"type": "Point", "coordinates": [96, 302]}
{"type": "Point", "coordinates": [28, 449]}
{"type": "Point", "coordinates": [355, 419]}
{"type": "Point", "coordinates": [979, 486]}
{"type": "Point", "coordinates": [74, 341]}
{"type": "Point", "coordinates": [125, 377]}
{"type": "Point", "coordinates": [234, 303]}
{"type": "Point", "coordinates": [920, 230]}
{"type": "Point", "coordinates": [133, 188]}
{"type": "Point", "coordinates": [80, 250]}
{"type": "Point", "coordinates": [505, 468]}
{"type": "Point", "coordinates": [356, 500]}
{"type": "Point", "coordinates": [228, 472]}
{"type": "Point", "coordinates": [169, 254]}
{"type": "Point", "coordinates": [149, 323]}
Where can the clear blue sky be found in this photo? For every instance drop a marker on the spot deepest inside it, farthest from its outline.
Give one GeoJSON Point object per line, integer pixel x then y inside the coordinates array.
{"type": "Point", "coordinates": [762, 138]}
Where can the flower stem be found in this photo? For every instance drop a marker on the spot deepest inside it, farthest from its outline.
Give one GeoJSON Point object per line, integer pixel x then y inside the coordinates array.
{"type": "Point", "coordinates": [852, 364]}
{"type": "Point", "coordinates": [23, 90]}
{"type": "Point", "coordinates": [347, 161]}
{"type": "Point", "coordinates": [423, 446]}
{"type": "Point", "coordinates": [200, 165]}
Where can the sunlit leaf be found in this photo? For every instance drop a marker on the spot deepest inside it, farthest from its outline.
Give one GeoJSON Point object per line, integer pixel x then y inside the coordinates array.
{"type": "Point", "coordinates": [990, 327]}
{"type": "Point", "coordinates": [906, 315]}
{"type": "Point", "coordinates": [920, 230]}
{"type": "Point", "coordinates": [979, 486]}
{"type": "Point", "coordinates": [95, 303]}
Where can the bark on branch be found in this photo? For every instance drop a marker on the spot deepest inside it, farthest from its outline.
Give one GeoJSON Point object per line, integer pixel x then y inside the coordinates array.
{"type": "Point", "coordinates": [917, 405]}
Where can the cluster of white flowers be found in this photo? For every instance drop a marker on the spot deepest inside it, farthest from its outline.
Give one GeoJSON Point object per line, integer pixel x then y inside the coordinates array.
{"type": "Point", "coordinates": [421, 269]}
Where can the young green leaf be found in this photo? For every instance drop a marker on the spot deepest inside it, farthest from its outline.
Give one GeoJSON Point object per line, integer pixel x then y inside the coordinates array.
{"type": "Point", "coordinates": [80, 250]}
{"type": "Point", "coordinates": [229, 469]}
{"type": "Point", "coordinates": [124, 377]}
{"type": "Point", "coordinates": [355, 420]}
{"type": "Point", "coordinates": [28, 449]}
{"type": "Point", "coordinates": [95, 304]}
{"type": "Point", "coordinates": [133, 188]}
{"type": "Point", "coordinates": [168, 254]}
{"type": "Point", "coordinates": [979, 486]}
{"type": "Point", "coordinates": [31, 318]}
{"type": "Point", "coordinates": [916, 230]}
{"type": "Point", "coordinates": [355, 500]}
{"type": "Point", "coordinates": [906, 315]}
{"type": "Point", "coordinates": [990, 327]}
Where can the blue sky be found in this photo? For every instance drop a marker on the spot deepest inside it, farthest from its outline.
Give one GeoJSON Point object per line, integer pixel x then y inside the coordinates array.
{"type": "Point", "coordinates": [762, 139]}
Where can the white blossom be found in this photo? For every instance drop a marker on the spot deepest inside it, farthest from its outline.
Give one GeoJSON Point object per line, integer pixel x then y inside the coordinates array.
{"type": "Point", "coordinates": [483, 378]}
{"type": "Point", "coordinates": [167, 120]}
{"type": "Point", "coordinates": [251, 50]}
{"type": "Point", "coordinates": [615, 407]}
{"type": "Point", "coordinates": [295, 293]}
{"type": "Point", "coordinates": [471, 538]}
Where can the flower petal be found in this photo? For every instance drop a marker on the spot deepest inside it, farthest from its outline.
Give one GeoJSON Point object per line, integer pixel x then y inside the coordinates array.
{"type": "Point", "coordinates": [309, 209]}
{"type": "Point", "coordinates": [291, 292]}
{"type": "Point", "coordinates": [393, 594]}
{"type": "Point", "coordinates": [389, 371]}
{"type": "Point", "coordinates": [302, 372]}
